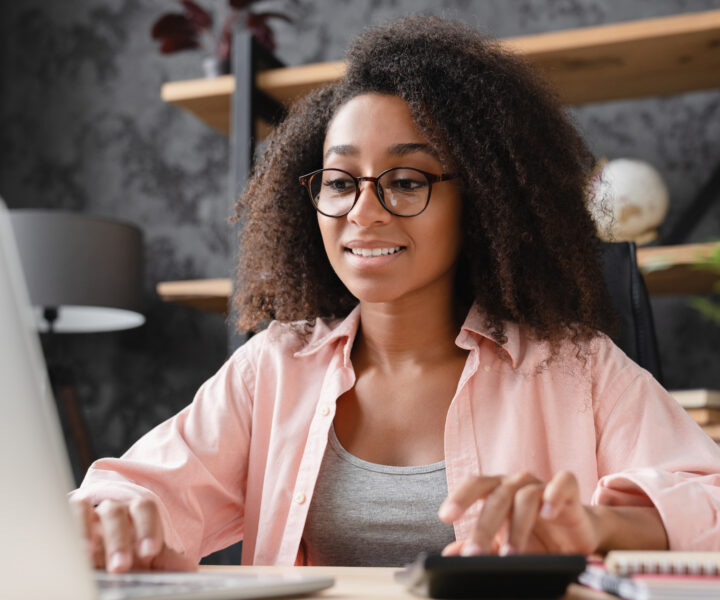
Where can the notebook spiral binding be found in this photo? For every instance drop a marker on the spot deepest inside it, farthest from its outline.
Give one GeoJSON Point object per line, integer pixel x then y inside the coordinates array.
{"type": "Point", "coordinates": [677, 563]}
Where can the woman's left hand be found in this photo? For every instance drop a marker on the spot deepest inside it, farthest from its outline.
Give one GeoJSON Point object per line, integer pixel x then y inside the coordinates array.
{"type": "Point", "coordinates": [522, 514]}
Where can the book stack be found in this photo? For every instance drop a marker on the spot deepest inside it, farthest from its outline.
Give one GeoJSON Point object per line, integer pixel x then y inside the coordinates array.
{"type": "Point", "coordinates": [704, 407]}
{"type": "Point", "coordinates": [643, 575]}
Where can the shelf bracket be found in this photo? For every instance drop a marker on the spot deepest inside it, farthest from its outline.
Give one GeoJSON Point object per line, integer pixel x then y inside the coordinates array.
{"type": "Point", "coordinates": [247, 105]}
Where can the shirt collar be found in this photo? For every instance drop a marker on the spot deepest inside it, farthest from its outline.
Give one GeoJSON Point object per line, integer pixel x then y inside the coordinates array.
{"type": "Point", "coordinates": [476, 327]}
{"type": "Point", "coordinates": [327, 332]}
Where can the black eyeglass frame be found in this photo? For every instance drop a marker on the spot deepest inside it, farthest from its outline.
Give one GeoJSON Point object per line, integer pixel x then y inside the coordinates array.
{"type": "Point", "coordinates": [431, 178]}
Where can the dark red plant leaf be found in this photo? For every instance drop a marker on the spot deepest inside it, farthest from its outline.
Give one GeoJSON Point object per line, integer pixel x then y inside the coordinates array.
{"type": "Point", "coordinates": [197, 15]}
{"type": "Point", "coordinates": [172, 25]}
{"type": "Point", "coordinates": [226, 38]}
{"type": "Point", "coordinates": [240, 4]}
{"type": "Point", "coordinates": [176, 44]}
{"type": "Point", "coordinates": [257, 25]}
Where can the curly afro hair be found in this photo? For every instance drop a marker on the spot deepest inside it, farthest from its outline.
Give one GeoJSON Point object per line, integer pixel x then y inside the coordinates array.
{"type": "Point", "coordinates": [529, 251]}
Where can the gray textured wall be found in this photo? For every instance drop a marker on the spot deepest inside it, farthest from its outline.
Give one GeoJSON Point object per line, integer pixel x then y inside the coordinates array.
{"type": "Point", "coordinates": [82, 127]}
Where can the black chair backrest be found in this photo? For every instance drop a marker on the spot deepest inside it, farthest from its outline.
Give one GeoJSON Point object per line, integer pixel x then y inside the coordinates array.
{"type": "Point", "coordinates": [626, 286]}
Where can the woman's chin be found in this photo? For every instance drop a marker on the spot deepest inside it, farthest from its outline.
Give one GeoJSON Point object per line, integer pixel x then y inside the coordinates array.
{"type": "Point", "coordinates": [374, 297]}
{"type": "Point", "coordinates": [375, 294]}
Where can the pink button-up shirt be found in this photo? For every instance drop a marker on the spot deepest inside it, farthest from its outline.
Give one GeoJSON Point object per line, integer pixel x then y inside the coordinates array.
{"type": "Point", "coordinates": [241, 461]}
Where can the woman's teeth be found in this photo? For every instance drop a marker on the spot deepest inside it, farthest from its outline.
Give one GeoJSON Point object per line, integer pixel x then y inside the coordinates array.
{"type": "Point", "coordinates": [368, 252]}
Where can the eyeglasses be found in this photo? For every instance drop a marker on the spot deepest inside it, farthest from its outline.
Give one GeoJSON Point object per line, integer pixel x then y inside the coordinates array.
{"type": "Point", "coordinates": [402, 191]}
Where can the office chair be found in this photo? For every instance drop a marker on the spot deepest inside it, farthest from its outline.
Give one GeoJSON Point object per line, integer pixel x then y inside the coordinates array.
{"type": "Point", "coordinates": [626, 287]}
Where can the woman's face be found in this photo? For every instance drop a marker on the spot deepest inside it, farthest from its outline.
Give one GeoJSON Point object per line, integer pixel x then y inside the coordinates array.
{"type": "Point", "coordinates": [369, 134]}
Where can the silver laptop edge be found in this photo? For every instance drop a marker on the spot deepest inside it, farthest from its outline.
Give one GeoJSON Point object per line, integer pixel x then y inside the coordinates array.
{"type": "Point", "coordinates": [42, 553]}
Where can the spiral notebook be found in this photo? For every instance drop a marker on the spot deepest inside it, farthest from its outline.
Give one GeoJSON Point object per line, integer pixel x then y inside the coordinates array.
{"type": "Point", "coordinates": [629, 562]}
{"type": "Point", "coordinates": [645, 575]}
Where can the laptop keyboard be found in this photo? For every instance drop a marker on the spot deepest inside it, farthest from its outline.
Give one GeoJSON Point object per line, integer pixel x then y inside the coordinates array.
{"type": "Point", "coordinates": [157, 585]}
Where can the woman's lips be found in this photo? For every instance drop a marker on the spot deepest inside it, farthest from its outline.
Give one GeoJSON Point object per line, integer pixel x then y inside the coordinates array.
{"type": "Point", "coordinates": [366, 257]}
{"type": "Point", "coordinates": [367, 252]}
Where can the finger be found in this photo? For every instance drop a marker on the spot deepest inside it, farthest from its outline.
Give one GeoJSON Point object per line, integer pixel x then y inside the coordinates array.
{"type": "Point", "coordinates": [496, 510]}
{"type": "Point", "coordinates": [467, 493]}
{"type": "Point", "coordinates": [170, 560]}
{"type": "Point", "coordinates": [526, 507]}
{"type": "Point", "coordinates": [453, 548]}
{"type": "Point", "coordinates": [98, 545]}
{"type": "Point", "coordinates": [563, 489]}
{"type": "Point", "coordinates": [117, 533]}
{"type": "Point", "coordinates": [148, 528]}
{"type": "Point", "coordinates": [84, 515]}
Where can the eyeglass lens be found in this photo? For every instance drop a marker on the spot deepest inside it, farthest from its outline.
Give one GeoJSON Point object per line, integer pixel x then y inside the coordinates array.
{"type": "Point", "coordinates": [403, 191]}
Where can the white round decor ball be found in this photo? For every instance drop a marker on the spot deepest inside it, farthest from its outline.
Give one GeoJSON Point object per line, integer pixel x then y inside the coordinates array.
{"type": "Point", "coordinates": [629, 200]}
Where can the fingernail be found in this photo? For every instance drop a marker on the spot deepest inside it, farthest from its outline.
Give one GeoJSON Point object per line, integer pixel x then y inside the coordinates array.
{"type": "Point", "coordinates": [470, 549]}
{"type": "Point", "coordinates": [450, 511]}
{"type": "Point", "coordinates": [147, 547]}
{"type": "Point", "coordinates": [119, 561]}
{"type": "Point", "coordinates": [547, 511]}
{"type": "Point", "coordinates": [507, 550]}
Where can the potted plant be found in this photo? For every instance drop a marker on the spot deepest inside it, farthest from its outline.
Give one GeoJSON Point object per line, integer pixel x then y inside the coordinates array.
{"type": "Point", "coordinates": [193, 28]}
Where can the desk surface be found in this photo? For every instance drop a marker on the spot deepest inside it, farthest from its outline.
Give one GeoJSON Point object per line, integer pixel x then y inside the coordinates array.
{"type": "Point", "coordinates": [363, 583]}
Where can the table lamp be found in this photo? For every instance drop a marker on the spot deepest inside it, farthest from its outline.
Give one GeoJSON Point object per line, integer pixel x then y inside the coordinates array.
{"type": "Point", "coordinates": [84, 275]}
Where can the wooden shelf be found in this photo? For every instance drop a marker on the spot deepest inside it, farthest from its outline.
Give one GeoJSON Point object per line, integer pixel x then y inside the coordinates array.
{"type": "Point", "coordinates": [697, 399]}
{"type": "Point", "coordinates": [667, 270]}
{"type": "Point", "coordinates": [652, 57]}
{"type": "Point", "coordinates": [285, 85]}
{"type": "Point", "coordinates": [208, 99]}
{"type": "Point", "coordinates": [206, 294]}
{"type": "Point", "coordinates": [673, 269]}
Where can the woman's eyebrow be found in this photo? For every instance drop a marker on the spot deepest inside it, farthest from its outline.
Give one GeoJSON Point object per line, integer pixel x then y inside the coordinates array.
{"type": "Point", "coordinates": [409, 148]}
{"type": "Point", "coordinates": [394, 150]}
{"type": "Point", "coordinates": [343, 150]}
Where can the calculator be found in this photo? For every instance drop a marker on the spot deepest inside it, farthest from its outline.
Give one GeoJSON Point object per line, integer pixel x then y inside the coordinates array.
{"type": "Point", "coordinates": [491, 576]}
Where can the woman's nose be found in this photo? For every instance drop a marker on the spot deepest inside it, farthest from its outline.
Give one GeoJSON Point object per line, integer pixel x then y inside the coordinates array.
{"type": "Point", "coordinates": [368, 209]}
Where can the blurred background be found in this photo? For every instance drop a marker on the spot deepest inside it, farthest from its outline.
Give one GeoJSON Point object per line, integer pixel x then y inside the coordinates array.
{"type": "Point", "coordinates": [83, 128]}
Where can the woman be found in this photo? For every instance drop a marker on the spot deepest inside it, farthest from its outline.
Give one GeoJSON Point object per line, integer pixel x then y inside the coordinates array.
{"type": "Point", "coordinates": [435, 342]}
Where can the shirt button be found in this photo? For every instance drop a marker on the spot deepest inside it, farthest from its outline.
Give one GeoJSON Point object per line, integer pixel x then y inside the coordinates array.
{"type": "Point", "coordinates": [324, 410]}
{"type": "Point", "coordinates": [299, 497]}
{"type": "Point", "coordinates": [486, 368]}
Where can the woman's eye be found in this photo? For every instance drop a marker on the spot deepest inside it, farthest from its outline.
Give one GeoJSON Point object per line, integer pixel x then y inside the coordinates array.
{"type": "Point", "coordinates": [408, 185]}
{"type": "Point", "coordinates": [339, 185]}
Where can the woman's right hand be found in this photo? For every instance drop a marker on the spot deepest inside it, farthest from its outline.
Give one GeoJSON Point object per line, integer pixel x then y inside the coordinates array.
{"type": "Point", "coordinates": [124, 536]}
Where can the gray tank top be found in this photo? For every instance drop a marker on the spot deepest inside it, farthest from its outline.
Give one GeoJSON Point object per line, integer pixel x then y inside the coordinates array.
{"type": "Point", "coordinates": [365, 514]}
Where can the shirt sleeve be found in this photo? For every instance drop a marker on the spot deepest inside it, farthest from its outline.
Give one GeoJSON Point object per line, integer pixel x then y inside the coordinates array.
{"type": "Point", "coordinates": [194, 465]}
{"type": "Point", "coordinates": [651, 452]}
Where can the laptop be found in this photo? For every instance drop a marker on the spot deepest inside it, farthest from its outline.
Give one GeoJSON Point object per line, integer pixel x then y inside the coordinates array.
{"type": "Point", "coordinates": [42, 552]}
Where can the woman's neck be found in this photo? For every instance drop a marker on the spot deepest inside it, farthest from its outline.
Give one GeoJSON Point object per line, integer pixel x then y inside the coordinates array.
{"type": "Point", "coordinates": [408, 333]}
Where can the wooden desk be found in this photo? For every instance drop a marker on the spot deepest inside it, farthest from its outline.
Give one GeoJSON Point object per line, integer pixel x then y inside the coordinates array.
{"type": "Point", "coordinates": [369, 583]}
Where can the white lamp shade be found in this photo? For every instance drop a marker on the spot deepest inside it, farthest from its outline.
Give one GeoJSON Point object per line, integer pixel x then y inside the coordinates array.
{"type": "Point", "coordinates": [90, 269]}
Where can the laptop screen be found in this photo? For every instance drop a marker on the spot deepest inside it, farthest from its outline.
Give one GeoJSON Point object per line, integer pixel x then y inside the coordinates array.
{"type": "Point", "coordinates": [42, 552]}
